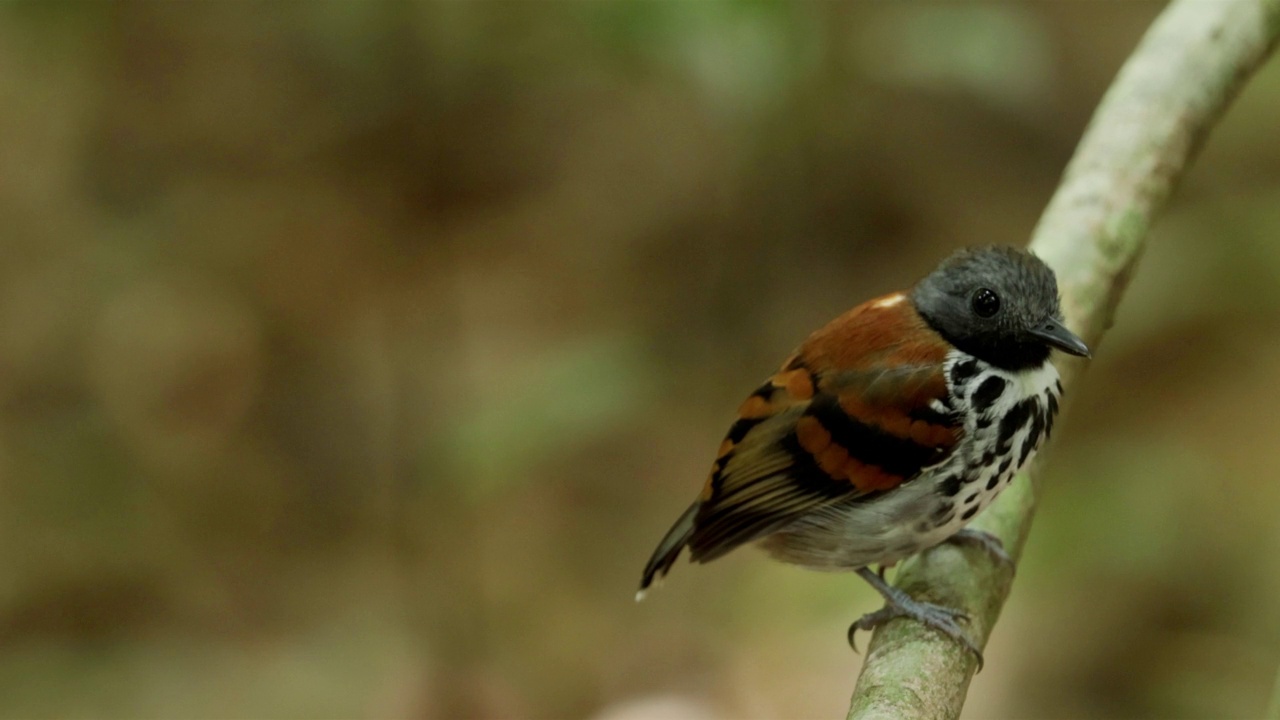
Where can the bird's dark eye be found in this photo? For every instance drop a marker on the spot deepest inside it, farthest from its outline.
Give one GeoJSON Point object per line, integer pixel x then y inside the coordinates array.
{"type": "Point", "coordinates": [986, 303]}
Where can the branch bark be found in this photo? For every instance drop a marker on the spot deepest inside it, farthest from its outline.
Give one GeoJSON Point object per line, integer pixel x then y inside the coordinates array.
{"type": "Point", "coordinates": [1184, 73]}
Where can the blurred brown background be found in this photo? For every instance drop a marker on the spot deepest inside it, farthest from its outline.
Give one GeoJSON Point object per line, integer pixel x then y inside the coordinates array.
{"type": "Point", "coordinates": [354, 355]}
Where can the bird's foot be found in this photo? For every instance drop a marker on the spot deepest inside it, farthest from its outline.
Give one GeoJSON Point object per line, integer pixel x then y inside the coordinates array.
{"type": "Point", "coordinates": [898, 604]}
{"type": "Point", "coordinates": [986, 542]}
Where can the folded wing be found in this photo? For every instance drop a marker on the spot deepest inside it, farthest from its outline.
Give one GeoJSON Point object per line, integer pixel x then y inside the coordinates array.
{"type": "Point", "coordinates": [859, 410]}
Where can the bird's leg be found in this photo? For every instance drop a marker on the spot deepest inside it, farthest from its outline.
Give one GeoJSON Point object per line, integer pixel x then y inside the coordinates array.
{"type": "Point", "coordinates": [899, 604]}
{"type": "Point", "coordinates": [985, 541]}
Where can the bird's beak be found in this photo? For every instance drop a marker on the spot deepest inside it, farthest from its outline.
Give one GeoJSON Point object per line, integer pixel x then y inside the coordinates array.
{"type": "Point", "coordinates": [1054, 334]}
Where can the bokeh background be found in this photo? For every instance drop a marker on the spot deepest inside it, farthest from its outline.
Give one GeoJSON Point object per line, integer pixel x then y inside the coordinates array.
{"type": "Point", "coordinates": [354, 355]}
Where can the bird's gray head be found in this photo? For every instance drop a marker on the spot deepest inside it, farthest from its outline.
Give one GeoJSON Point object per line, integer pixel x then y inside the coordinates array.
{"type": "Point", "coordinates": [999, 304]}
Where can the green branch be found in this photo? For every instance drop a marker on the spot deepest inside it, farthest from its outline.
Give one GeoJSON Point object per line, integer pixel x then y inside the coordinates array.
{"type": "Point", "coordinates": [1182, 76]}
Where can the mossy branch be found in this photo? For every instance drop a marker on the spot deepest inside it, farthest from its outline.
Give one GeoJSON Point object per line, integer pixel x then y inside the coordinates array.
{"type": "Point", "coordinates": [1174, 87]}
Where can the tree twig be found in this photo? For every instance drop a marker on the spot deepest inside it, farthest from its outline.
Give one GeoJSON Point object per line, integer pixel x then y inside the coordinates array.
{"type": "Point", "coordinates": [1176, 84]}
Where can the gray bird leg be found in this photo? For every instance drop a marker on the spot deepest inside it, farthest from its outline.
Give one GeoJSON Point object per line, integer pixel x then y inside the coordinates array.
{"type": "Point", "coordinates": [899, 604]}
{"type": "Point", "coordinates": [985, 541]}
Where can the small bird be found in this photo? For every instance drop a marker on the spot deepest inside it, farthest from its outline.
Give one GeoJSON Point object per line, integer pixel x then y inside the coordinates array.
{"type": "Point", "coordinates": [889, 430]}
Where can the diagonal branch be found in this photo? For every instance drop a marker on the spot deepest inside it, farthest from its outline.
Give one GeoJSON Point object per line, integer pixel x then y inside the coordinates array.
{"type": "Point", "coordinates": [1182, 76]}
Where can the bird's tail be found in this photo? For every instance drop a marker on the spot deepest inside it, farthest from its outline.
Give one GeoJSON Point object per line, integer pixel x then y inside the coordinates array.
{"type": "Point", "coordinates": [669, 549]}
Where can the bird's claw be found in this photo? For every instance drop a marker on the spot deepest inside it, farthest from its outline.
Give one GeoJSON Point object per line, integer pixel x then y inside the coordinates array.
{"type": "Point", "coordinates": [943, 619]}
{"type": "Point", "coordinates": [986, 542]}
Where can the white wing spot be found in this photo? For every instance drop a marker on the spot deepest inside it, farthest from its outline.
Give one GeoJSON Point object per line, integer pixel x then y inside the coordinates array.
{"type": "Point", "coordinates": [888, 301]}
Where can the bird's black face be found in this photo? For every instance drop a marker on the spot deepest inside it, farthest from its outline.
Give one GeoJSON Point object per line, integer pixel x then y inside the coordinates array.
{"type": "Point", "coordinates": [999, 304]}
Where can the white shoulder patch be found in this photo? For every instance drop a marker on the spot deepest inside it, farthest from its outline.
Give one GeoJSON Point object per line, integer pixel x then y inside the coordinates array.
{"type": "Point", "coordinates": [889, 301]}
